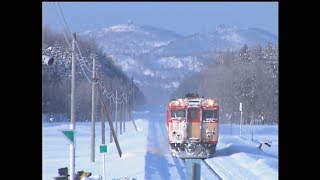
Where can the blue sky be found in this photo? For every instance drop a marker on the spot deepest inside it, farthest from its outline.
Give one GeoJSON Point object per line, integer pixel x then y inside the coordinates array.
{"type": "Point", "coordinates": [182, 17]}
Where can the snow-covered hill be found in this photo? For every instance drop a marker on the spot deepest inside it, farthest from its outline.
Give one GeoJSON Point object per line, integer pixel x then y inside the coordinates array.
{"type": "Point", "coordinates": [221, 38]}
{"type": "Point", "coordinates": [130, 39]}
{"type": "Point", "coordinates": [159, 59]}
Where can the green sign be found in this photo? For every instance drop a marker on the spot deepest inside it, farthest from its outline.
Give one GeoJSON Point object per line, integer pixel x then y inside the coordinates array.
{"type": "Point", "coordinates": [69, 134]}
{"type": "Point", "coordinates": [103, 148]}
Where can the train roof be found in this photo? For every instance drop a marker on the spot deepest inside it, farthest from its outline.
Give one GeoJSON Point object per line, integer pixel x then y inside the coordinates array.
{"type": "Point", "coordinates": [193, 102]}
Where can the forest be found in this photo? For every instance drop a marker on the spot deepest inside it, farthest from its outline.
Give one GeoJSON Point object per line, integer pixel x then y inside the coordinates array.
{"type": "Point", "coordinates": [56, 79]}
{"type": "Point", "coordinates": [248, 75]}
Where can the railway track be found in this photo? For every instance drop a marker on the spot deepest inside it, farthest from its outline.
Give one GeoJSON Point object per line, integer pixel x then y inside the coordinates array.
{"type": "Point", "coordinates": [206, 167]}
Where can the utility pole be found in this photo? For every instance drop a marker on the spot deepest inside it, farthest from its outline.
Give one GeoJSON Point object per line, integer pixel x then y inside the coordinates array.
{"type": "Point", "coordinates": [122, 113]}
{"type": "Point", "coordinates": [120, 116]}
{"type": "Point", "coordinates": [111, 125]}
{"type": "Point", "coordinates": [111, 138]}
{"type": "Point", "coordinates": [73, 112]}
{"type": "Point", "coordinates": [125, 114]}
{"type": "Point", "coordinates": [231, 123]}
{"type": "Point", "coordinates": [102, 121]}
{"type": "Point", "coordinates": [116, 112]}
{"type": "Point", "coordinates": [240, 108]}
{"type": "Point", "coordinates": [93, 110]}
{"type": "Point", "coordinates": [132, 92]}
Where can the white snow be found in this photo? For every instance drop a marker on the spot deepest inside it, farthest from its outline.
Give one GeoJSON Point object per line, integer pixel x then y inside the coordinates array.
{"type": "Point", "coordinates": [148, 72]}
{"type": "Point", "coordinates": [228, 29]}
{"type": "Point", "coordinates": [190, 63]}
{"type": "Point", "coordinates": [193, 64]}
{"type": "Point", "coordinates": [173, 84]}
{"type": "Point", "coordinates": [158, 43]}
{"type": "Point", "coordinates": [121, 28]}
{"type": "Point", "coordinates": [234, 37]}
{"type": "Point", "coordinates": [146, 154]}
{"type": "Point", "coordinates": [171, 62]}
{"type": "Point", "coordinates": [127, 63]}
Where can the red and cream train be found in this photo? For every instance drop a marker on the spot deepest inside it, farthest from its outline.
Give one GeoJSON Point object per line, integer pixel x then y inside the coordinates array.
{"type": "Point", "coordinates": [193, 126]}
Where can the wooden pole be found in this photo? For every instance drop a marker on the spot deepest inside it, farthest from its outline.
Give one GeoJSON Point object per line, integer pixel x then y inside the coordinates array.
{"type": "Point", "coordinates": [111, 125]}
{"type": "Point", "coordinates": [111, 138]}
{"type": "Point", "coordinates": [132, 106]}
{"type": "Point", "coordinates": [120, 118]}
{"type": "Point", "coordinates": [116, 113]}
{"type": "Point", "coordinates": [125, 115]}
{"type": "Point", "coordinates": [103, 140]}
{"type": "Point", "coordinates": [73, 111]}
{"type": "Point", "coordinates": [92, 159]}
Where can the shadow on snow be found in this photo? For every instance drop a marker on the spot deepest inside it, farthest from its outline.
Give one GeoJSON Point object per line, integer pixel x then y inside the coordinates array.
{"type": "Point", "coordinates": [158, 152]}
{"type": "Point", "coordinates": [155, 163]}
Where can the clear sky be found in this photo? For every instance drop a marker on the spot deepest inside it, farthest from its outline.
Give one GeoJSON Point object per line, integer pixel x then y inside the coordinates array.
{"type": "Point", "coordinates": [182, 17]}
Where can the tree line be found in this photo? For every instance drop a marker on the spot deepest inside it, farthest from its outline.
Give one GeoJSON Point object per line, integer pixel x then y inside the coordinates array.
{"type": "Point", "coordinates": [56, 79]}
{"type": "Point", "coordinates": [248, 75]}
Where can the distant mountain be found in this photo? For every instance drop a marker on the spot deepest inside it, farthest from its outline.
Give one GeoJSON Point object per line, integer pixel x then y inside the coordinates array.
{"type": "Point", "coordinates": [221, 38]}
{"type": "Point", "coordinates": [159, 59]}
{"type": "Point", "coordinates": [129, 39]}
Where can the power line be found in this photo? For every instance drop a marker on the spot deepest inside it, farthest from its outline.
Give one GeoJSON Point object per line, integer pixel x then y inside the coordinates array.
{"type": "Point", "coordinates": [83, 60]}
{"type": "Point", "coordinates": [55, 7]}
{"type": "Point", "coordinates": [64, 20]}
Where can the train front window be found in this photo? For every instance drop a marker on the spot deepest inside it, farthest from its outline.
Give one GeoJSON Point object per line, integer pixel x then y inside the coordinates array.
{"type": "Point", "coordinates": [209, 114]}
{"type": "Point", "coordinates": [178, 113]}
{"type": "Point", "coordinates": [193, 113]}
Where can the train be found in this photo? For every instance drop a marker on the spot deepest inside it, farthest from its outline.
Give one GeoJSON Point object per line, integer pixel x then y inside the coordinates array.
{"type": "Point", "coordinates": [193, 126]}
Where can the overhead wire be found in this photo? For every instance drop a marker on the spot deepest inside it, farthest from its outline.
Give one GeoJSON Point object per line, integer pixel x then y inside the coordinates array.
{"type": "Point", "coordinates": [82, 60]}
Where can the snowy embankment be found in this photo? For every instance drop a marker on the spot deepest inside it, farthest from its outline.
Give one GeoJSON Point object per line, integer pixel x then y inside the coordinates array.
{"type": "Point", "coordinates": [55, 150]}
{"type": "Point", "coordinates": [240, 158]}
{"type": "Point", "coordinates": [146, 154]}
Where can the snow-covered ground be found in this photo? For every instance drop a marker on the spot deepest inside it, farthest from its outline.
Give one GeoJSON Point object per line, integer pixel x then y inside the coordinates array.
{"type": "Point", "coordinates": [146, 155]}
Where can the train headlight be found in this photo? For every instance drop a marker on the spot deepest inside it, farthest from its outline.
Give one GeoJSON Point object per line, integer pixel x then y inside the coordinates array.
{"type": "Point", "coordinates": [209, 134]}
{"type": "Point", "coordinates": [208, 102]}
